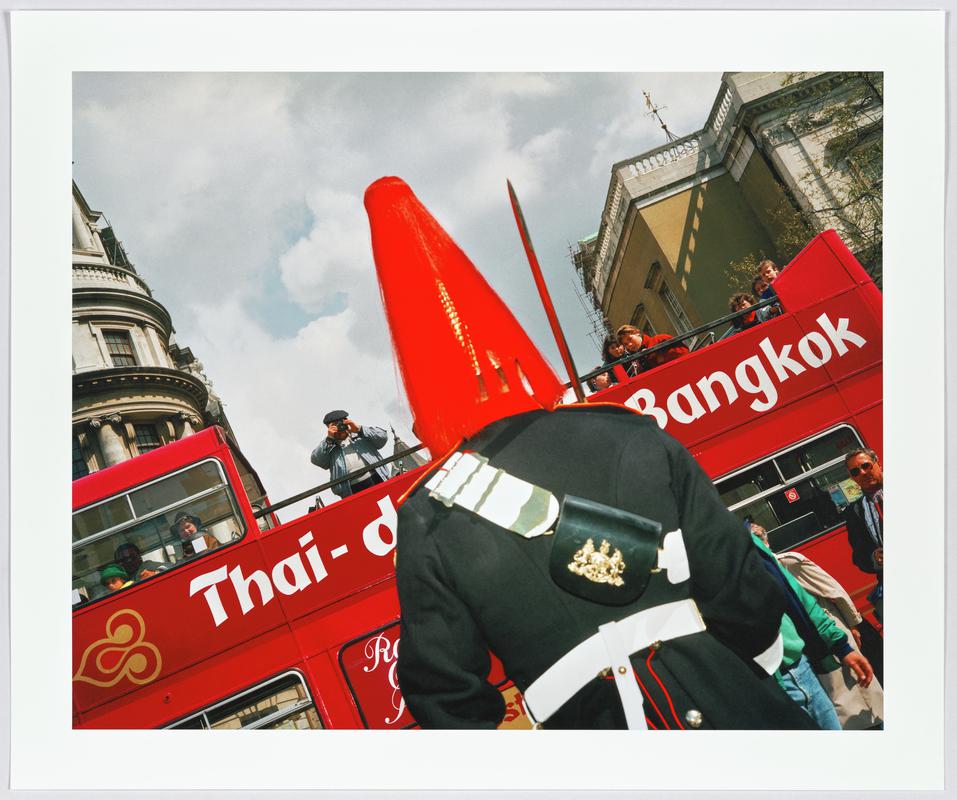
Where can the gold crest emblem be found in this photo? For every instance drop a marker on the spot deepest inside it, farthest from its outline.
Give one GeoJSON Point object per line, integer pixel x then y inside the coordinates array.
{"type": "Point", "coordinates": [597, 565]}
{"type": "Point", "coordinates": [122, 653]}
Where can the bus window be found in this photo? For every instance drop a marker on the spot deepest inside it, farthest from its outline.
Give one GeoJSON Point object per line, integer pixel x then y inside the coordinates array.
{"type": "Point", "coordinates": [154, 527]}
{"type": "Point", "coordinates": [170, 490]}
{"type": "Point", "coordinates": [747, 484]}
{"type": "Point", "coordinates": [108, 514]}
{"type": "Point", "coordinates": [280, 703]}
{"type": "Point", "coordinates": [798, 493]}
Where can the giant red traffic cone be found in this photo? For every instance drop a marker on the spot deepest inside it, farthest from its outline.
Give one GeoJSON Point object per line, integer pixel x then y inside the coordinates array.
{"type": "Point", "coordinates": [464, 359]}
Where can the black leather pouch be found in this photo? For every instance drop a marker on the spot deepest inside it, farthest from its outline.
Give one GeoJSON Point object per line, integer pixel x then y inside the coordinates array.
{"type": "Point", "coordinates": [603, 554]}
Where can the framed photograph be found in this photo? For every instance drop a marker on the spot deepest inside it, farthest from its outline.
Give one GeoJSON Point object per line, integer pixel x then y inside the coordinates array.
{"type": "Point", "coordinates": [313, 251]}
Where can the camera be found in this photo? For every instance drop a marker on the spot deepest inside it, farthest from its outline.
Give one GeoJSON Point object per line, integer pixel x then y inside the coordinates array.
{"type": "Point", "coordinates": [341, 426]}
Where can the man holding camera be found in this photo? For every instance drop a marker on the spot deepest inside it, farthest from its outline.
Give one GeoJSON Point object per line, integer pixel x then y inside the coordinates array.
{"type": "Point", "coordinates": [347, 448]}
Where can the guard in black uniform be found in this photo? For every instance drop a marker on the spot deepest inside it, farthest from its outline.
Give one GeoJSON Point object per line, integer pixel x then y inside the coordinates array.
{"type": "Point", "coordinates": [582, 545]}
{"type": "Point", "coordinates": [467, 585]}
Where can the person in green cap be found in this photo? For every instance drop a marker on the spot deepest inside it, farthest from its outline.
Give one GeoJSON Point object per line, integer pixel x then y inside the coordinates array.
{"type": "Point", "coordinates": [114, 578]}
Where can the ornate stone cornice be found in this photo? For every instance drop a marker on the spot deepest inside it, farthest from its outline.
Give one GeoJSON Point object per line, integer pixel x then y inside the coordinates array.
{"type": "Point", "coordinates": [111, 298]}
{"type": "Point", "coordinates": [97, 422]}
{"type": "Point", "coordinates": [184, 416]}
{"type": "Point", "coordinates": [143, 379]}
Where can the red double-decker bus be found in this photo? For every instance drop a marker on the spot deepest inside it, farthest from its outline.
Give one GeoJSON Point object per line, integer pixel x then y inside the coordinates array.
{"type": "Point", "coordinates": [249, 623]}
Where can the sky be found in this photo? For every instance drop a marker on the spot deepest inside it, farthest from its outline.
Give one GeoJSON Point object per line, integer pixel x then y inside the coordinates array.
{"type": "Point", "coordinates": [238, 197]}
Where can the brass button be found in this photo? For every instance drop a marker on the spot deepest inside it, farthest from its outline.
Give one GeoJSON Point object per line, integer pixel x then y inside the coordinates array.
{"type": "Point", "coordinates": [694, 718]}
{"type": "Point", "coordinates": [605, 673]}
{"type": "Point", "coordinates": [655, 646]}
{"type": "Point", "coordinates": [622, 670]}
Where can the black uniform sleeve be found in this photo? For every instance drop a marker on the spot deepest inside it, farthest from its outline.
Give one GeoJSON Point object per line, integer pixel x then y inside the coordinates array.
{"type": "Point", "coordinates": [443, 658]}
{"type": "Point", "coordinates": [740, 602]}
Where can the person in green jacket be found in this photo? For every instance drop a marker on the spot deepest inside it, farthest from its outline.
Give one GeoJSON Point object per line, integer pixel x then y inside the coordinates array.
{"type": "Point", "coordinates": [807, 630]}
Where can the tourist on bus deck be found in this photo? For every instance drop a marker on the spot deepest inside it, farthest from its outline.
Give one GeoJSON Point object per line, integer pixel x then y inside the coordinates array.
{"type": "Point", "coordinates": [193, 538]}
{"type": "Point", "coordinates": [114, 578]}
{"type": "Point", "coordinates": [758, 287]}
{"type": "Point", "coordinates": [129, 556]}
{"type": "Point", "coordinates": [349, 447]}
{"type": "Point", "coordinates": [524, 538]}
{"type": "Point", "coordinates": [601, 381]}
{"type": "Point", "coordinates": [768, 271]}
{"type": "Point", "coordinates": [739, 302]}
{"type": "Point", "coordinates": [865, 520]}
{"type": "Point", "coordinates": [612, 350]}
{"type": "Point", "coordinates": [634, 341]}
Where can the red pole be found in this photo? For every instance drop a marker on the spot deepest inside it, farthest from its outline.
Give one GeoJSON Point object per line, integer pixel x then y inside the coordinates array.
{"type": "Point", "coordinates": [546, 298]}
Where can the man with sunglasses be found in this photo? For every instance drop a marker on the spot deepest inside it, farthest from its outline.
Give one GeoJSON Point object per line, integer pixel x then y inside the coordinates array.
{"type": "Point", "coordinates": [865, 519]}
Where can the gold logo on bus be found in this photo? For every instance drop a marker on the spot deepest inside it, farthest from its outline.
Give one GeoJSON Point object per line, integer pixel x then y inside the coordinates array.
{"type": "Point", "coordinates": [122, 653]}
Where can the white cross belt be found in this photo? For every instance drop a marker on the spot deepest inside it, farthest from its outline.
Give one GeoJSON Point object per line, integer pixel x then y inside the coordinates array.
{"type": "Point", "coordinates": [611, 648]}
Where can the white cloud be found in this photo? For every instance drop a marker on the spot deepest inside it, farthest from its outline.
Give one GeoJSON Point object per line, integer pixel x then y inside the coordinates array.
{"type": "Point", "coordinates": [195, 179]}
{"type": "Point", "coordinates": [618, 141]}
{"type": "Point", "coordinates": [335, 255]}
{"type": "Point", "coordinates": [238, 196]}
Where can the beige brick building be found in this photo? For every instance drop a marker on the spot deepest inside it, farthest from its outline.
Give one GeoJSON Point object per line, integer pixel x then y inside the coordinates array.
{"type": "Point", "coordinates": [675, 217]}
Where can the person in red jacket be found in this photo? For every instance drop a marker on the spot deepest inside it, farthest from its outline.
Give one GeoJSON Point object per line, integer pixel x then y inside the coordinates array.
{"type": "Point", "coordinates": [634, 341]}
{"type": "Point", "coordinates": [739, 302]}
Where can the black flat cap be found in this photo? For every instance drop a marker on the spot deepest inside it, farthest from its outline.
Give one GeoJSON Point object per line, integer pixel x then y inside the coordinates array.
{"type": "Point", "coordinates": [334, 416]}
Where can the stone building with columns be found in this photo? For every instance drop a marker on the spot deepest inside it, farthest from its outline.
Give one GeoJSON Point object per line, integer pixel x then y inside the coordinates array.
{"type": "Point", "coordinates": [774, 164]}
{"type": "Point", "coordinates": [134, 388]}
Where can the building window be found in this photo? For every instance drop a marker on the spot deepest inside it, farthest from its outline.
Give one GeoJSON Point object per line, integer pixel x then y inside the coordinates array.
{"type": "Point", "coordinates": [673, 309]}
{"type": "Point", "coordinates": [653, 274]}
{"type": "Point", "coordinates": [867, 162]}
{"type": "Point", "coordinates": [79, 462]}
{"type": "Point", "coordinates": [639, 318]}
{"type": "Point", "coordinates": [120, 348]}
{"type": "Point", "coordinates": [146, 438]}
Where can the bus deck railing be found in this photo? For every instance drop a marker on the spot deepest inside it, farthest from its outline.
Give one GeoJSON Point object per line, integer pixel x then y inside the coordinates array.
{"type": "Point", "coordinates": [261, 512]}
{"type": "Point", "coordinates": [709, 327]}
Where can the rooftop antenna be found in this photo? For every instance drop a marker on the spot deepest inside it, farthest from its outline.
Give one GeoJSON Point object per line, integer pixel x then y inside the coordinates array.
{"type": "Point", "coordinates": [653, 112]}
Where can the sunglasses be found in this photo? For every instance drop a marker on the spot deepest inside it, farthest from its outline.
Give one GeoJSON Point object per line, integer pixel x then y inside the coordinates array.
{"type": "Point", "coordinates": [867, 466]}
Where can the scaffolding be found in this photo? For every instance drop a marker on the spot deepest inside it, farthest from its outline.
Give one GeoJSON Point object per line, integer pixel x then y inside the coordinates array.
{"type": "Point", "coordinates": [115, 252]}
{"type": "Point", "coordinates": [580, 257]}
